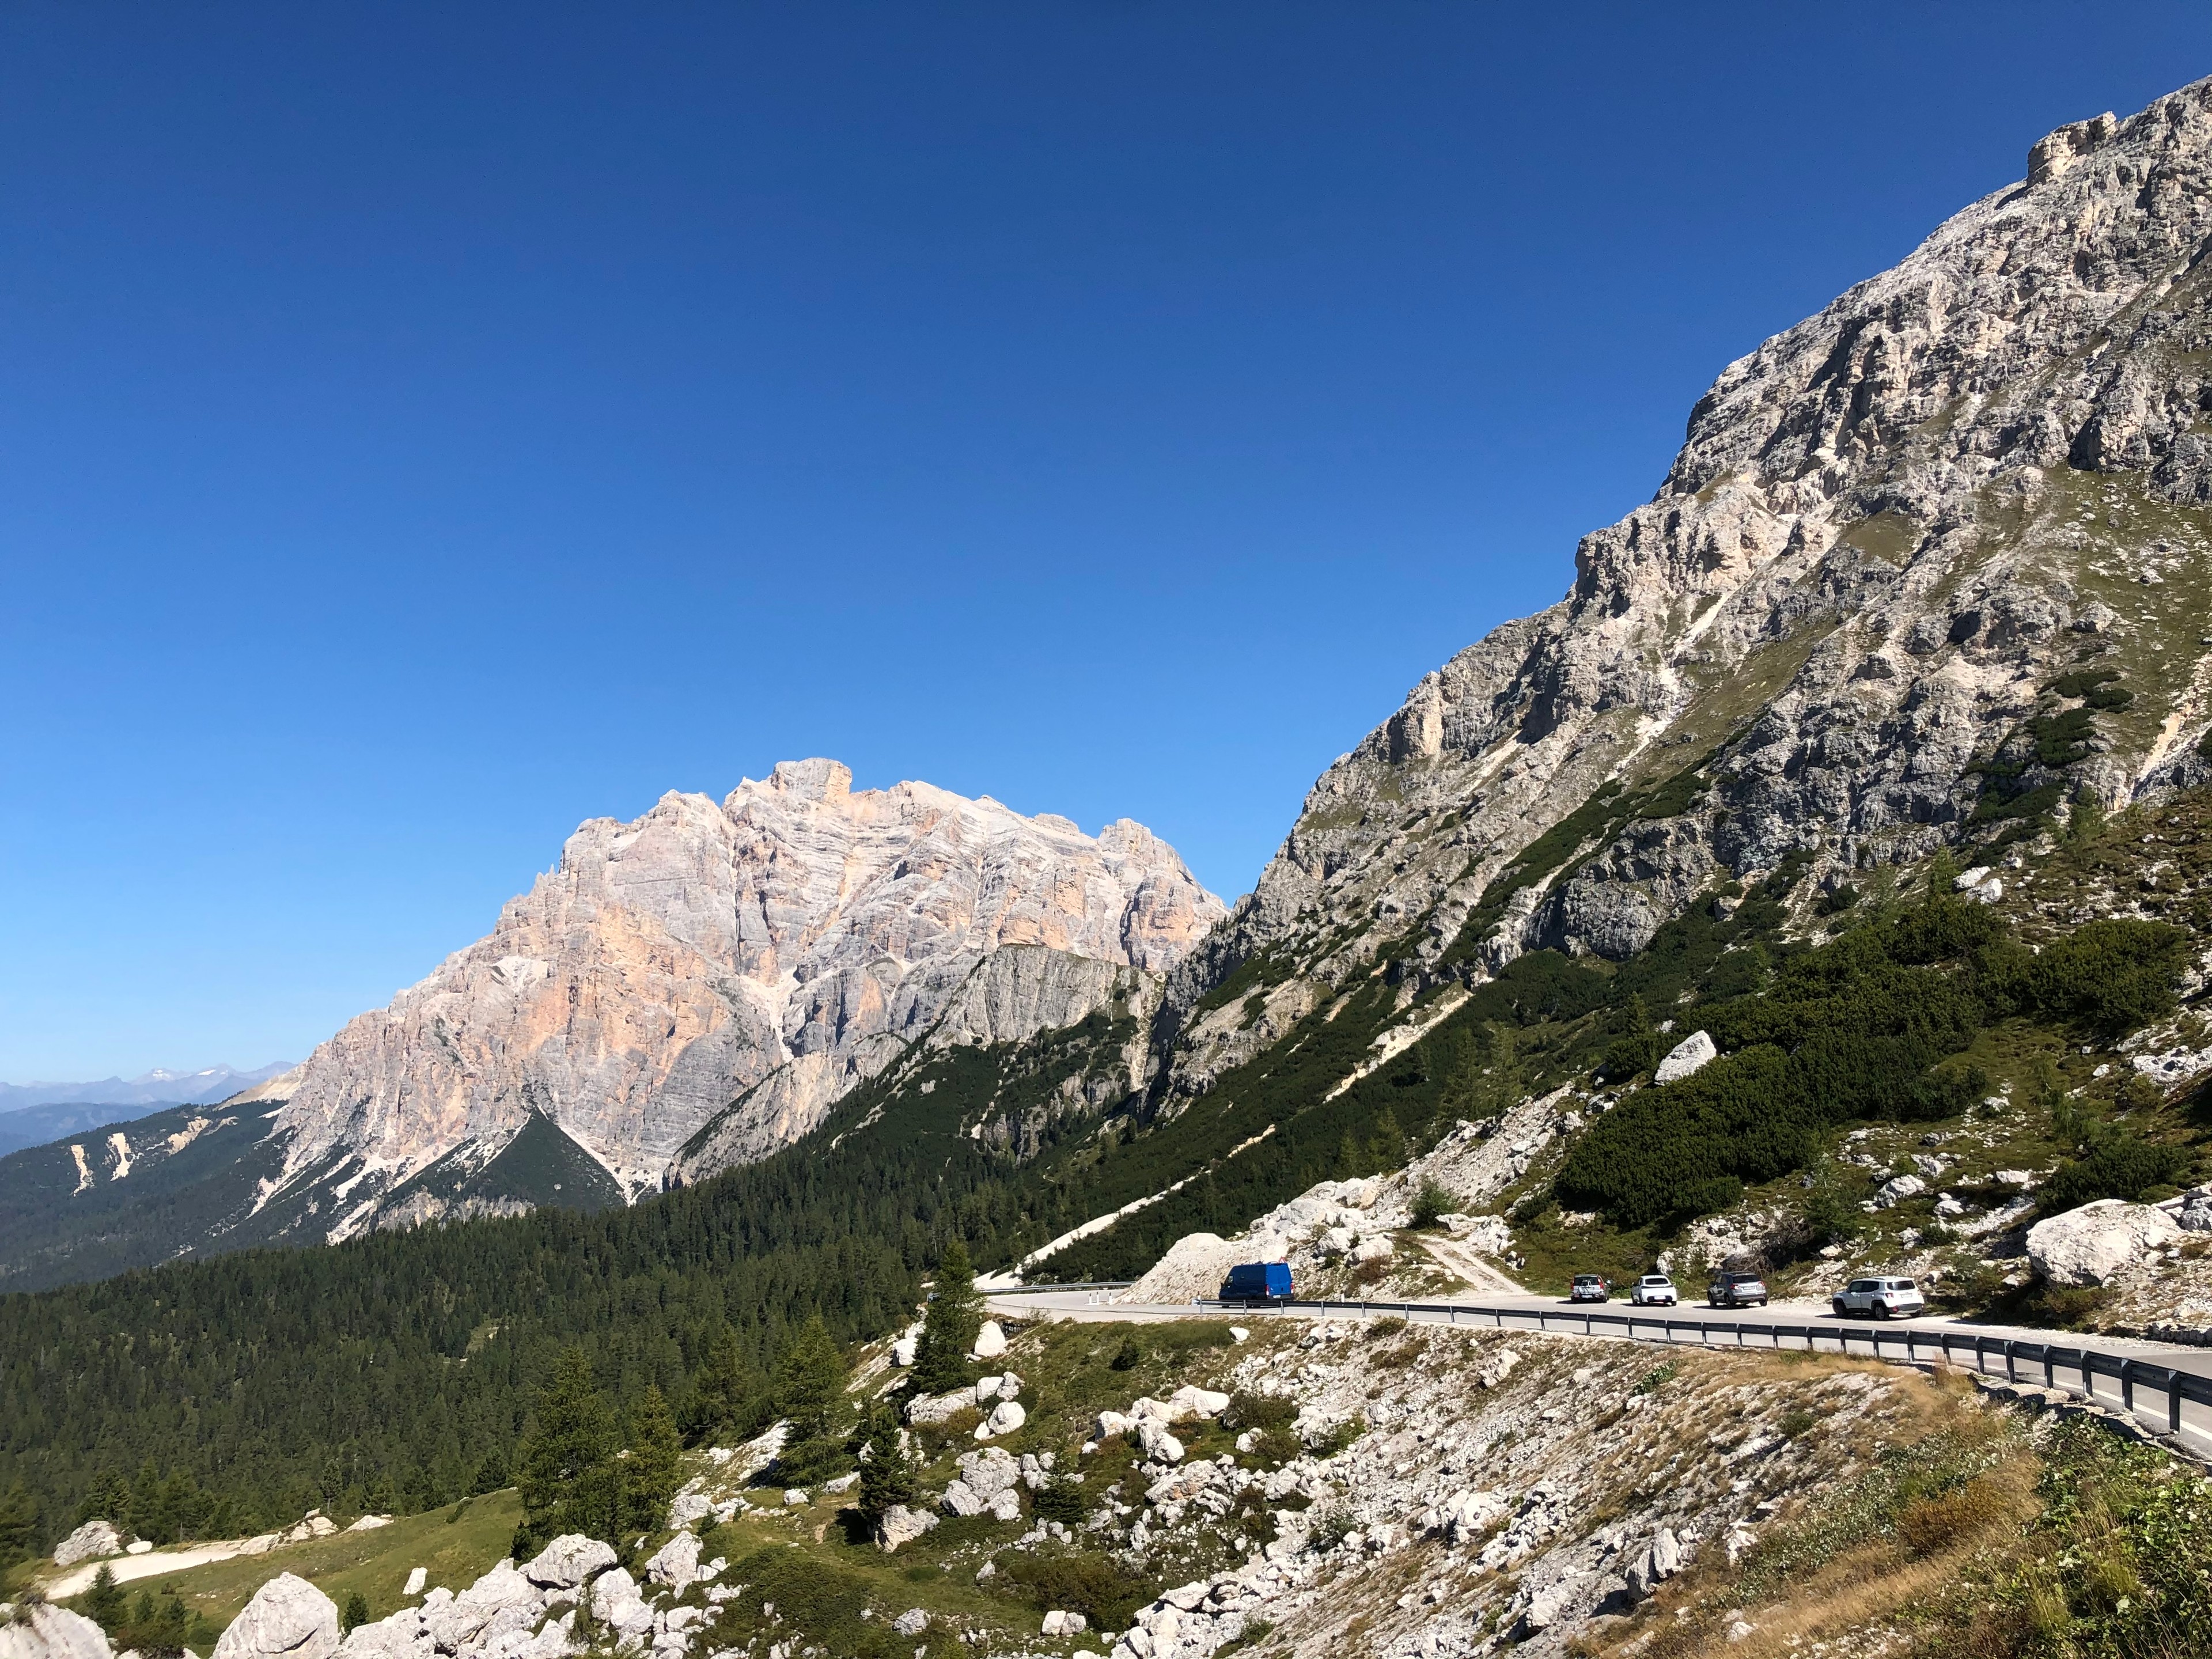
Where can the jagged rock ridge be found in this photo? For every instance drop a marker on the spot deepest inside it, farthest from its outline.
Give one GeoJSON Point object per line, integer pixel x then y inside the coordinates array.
{"type": "Point", "coordinates": [774, 949]}
{"type": "Point", "coordinates": [1890, 528]}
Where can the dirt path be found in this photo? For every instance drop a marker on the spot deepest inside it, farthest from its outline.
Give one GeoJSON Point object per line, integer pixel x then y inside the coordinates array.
{"type": "Point", "coordinates": [1479, 1273]}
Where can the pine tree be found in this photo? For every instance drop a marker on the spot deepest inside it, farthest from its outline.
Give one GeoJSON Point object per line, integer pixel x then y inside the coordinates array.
{"type": "Point", "coordinates": [949, 1325]}
{"type": "Point", "coordinates": [19, 1525]}
{"type": "Point", "coordinates": [1350, 1160]}
{"type": "Point", "coordinates": [725, 1395]}
{"type": "Point", "coordinates": [104, 1602]}
{"type": "Point", "coordinates": [651, 1473]}
{"type": "Point", "coordinates": [571, 1481]}
{"type": "Point", "coordinates": [810, 1395]}
{"type": "Point", "coordinates": [887, 1476]}
{"type": "Point", "coordinates": [356, 1613]}
{"type": "Point", "coordinates": [1386, 1141]}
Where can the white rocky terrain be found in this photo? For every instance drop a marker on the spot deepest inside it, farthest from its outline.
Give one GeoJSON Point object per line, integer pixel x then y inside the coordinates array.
{"type": "Point", "coordinates": [1887, 529]}
{"type": "Point", "coordinates": [771, 951]}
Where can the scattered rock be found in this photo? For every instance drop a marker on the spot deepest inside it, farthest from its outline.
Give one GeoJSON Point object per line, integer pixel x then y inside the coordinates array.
{"type": "Point", "coordinates": [990, 1341]}
{"type": "Point", "coordinates": [38, 1631]}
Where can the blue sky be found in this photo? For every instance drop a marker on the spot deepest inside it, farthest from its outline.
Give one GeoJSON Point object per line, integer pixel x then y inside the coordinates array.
{"type": "Point", "coordinates": [428, 427]}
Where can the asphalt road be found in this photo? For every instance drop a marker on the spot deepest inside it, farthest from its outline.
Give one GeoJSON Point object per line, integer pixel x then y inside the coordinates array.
{"type": "Point", "coordinates": [1977, 1346]}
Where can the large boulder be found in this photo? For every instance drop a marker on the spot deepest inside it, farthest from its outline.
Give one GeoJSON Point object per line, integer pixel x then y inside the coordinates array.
{"type": "Point", "coordinates": [990, 1341]}
{"type": "Point", "coordinates": [614, 1601]}
{"type": "Point", "coordinates": [1693, 1053]}
{"type": "Point", "coordinates": [88, 1543]}
{"type": "Point", "coordinates": [471, 1613]}
{"type": "Point", "coordinates": [926, 1409]}
{"type": "Point", "coordinates": [287, 1618]}
{"type": "Point", "coordinates": [901, 1525]}
{"type": "Point", "coordinates": [677, 1564]}
{"type": "Point", "coordinates": [2087, 1246]}
{"type": "Point", "coordinates": [40, 1632]}
{"type": "Point", "coordinates": [568, 1561]}
{"type": "Point", "coordinates": [399, 1636]}
{"type": "Point", "coordinates": [1006, 1417]}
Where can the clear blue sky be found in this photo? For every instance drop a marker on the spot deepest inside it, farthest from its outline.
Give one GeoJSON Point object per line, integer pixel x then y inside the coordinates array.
{"type": "Point", "coordinates": [428, 427]}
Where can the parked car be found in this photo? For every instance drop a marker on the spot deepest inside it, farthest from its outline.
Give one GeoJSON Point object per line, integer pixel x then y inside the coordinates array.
{"type": "Point", "coordinates": [1590, 1287]}
{"type": "Point", "coordinates": [1254, 1283]}
{"type": "Point", "coordinates": [1879, 1298]}
{"type": "Point", "coordinates": [1653, 1291]}
{"type": "Point", "coordinates": [1736, 1291]}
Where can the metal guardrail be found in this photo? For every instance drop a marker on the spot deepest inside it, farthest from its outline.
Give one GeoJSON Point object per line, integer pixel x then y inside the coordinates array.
{"type": "Point", "coordinates": [2049, 1364]}
{"type": "Point", "coordinates": [1038, 1290]}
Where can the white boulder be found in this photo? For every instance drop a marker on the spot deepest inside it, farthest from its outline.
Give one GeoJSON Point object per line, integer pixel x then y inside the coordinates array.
{"type": "Point", "coordinates": [1692, 1053]}
{"type": "Point", "coordinates": [904, 1350]}
{"type": "Point", "coordinates": [990, 1341]}
{"type": "Point", "coordinates": [1898, 1189]}
{"type": "Point", "coordinates": [1659, 1563]}
{"type": "Point", "coordinates": [1006, 1417]}
{"type": "Point", "coordinates": [567, 1562]}
{"type": "Point", "coordinates": [912, 1622]}
{"type": "Point", "coordinates": [615, 1601]}
{"type": "Point", "coordinates": [418, 1576]}
{"type": "Point", "coordinates": [689, 1508]}
{"type": "Point", "coordinates": [676, 1563]}
{"type": "Point", "coordinates": [1064, 1624]}
{"type": "Point", "coordinates": [1190, 1401]}
{"type": "Point", "coordinates": [287, 1618]}
{"type": "Point", "coordinates": [2089, 1245]}
{"type": "Point", "coordinates": [926, 1410]}
{"type": "Point", "coordinates": [1374, 1248]}
{"type": "Point", "coordinates": [901, 1525]}
{"type": "Point", "coordinates": [88, 1543]}
{"type": "Point", "coordinates": [40, 1632]}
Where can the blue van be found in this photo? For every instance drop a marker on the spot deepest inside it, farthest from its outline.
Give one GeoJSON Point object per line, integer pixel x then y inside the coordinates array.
{"type": "Point", "coordinates": [1258, 1281]}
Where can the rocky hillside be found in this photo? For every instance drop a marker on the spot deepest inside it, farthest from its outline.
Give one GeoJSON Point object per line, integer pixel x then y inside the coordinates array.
{"type": "Point", "coordinates": [681, 992]}
{"type": "Point", "coordinates": [1291, 1488]}
{"type": "Point", "coordinates": [1843, 629]}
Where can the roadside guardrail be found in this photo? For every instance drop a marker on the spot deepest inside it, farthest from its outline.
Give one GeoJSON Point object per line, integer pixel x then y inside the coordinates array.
{"type": "Point", "coordinates": [2047, 1365]}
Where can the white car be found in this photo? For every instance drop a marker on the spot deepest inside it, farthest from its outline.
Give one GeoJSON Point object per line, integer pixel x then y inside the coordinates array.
{"type": "Point", "coordinates": [1652, 1291]}
{"type": "Point", "coordinates": [1879, 1298]}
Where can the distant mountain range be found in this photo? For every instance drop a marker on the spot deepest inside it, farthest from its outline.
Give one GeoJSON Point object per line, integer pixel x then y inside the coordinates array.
{"type": "Point", "coordinates": [32, 1114]}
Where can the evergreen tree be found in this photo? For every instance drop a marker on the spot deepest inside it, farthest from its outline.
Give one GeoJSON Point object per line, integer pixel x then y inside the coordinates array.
{"type": "Point", "coordinates": [19, 1525]}
{"type": "Point", "coordinates": [1351, 1161]}
{"type": "Point", "coordinates": [1386, 1141]}
{"type": "Point", "coordinates": [949, 1325]}
{"type": "Point", "coordinates": [104, 1602]}
{"type": "Point", "coordinates": [651, 1473]}
{"type": "Point", "coordinates": [354, 1614]}
{"type": "Point", "coordinates": [491, 1473]}
{"type": "Point", "coordinates": [887, 1476]}
{"type": "Point", "coordinates": [725, 1396]}
{"type": "Point", "coordinates": [571, 1481]}
{"type": "Point", "coordinates": [810, 1395]}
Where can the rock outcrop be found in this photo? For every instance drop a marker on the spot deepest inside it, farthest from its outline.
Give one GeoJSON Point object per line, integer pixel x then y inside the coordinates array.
{"type": "Point", "coordinates": [771, 951]}
{"type": "Point", "coordinates": [1891, 532]}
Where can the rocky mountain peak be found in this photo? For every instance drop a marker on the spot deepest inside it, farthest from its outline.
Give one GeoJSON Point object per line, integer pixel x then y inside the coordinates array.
{"type": "Point", "coordinates": [772, 949]}
{"type": "Point", "coordinates": [1902, 544]}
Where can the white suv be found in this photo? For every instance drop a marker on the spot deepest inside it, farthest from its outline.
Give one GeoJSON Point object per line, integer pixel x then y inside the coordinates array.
{"type": "Point", "coordinates": [1879, 1298]}
{"type": "Point", "coordinates": [1652, 1291]}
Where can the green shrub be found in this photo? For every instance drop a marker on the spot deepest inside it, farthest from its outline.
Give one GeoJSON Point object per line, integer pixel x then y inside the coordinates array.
{"type": "Point", "coordinates": [2120, 1166]}
{"type": "Point", "coordinates": [1062, 1501]}
{"type": "Point", "coordinates": [1103, 1590]}
{"type": "Point", "coordinates": [1431, 1204]}
{"type": "Point", "coordinates": [2114, 975]}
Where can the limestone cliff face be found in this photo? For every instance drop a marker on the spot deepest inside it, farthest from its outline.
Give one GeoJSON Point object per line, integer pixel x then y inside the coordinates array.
{"type": "Point", "coordinates": [1889, 530]}
{"type": "Point", "coordinates": [779, 946]}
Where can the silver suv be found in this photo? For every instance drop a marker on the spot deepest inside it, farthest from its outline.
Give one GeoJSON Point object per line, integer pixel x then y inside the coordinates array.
{"type": "Point", "coordinates": [1879, 1298]}
{"type": "Point", "coordinates": [1736, 1291]}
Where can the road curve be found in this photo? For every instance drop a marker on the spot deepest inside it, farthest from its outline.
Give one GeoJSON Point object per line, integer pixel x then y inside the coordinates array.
{"type": "Point", "coordinates": [2167, 1390]}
